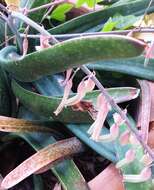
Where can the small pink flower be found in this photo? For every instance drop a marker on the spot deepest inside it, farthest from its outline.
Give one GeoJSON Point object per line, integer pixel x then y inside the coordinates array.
{"type": "Point", "coordinates": [65, 97]}
{"type": "Point", "coordinates": [25, 46]}
{"type": "Point", "coordinates": [44, 43]}
{"type": "Point", "coordinates": [145, 175]}
{"type": "Point", "coordinates": [114, 133]}
{"type": "Point", "coordinates": [84, 87]}
{"type": "Point", "coordinates": [124, 138]}
{"type": "Point", "coordinates": [103, 109]}
{"type": "Point", "coordinates": [133, 140]}
{"type": "Point", "coordinates": [68, 75]}
{"type": "Point", "coordinates": [129, 157]}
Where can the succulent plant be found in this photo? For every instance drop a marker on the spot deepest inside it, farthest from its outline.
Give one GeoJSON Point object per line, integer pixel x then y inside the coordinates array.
{"type": "Point", "coordinates": [51, 78]}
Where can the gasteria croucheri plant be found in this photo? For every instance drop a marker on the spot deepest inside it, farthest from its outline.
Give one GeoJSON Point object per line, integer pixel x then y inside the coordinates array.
{"type": "Point", "coordinates": [35, 52]}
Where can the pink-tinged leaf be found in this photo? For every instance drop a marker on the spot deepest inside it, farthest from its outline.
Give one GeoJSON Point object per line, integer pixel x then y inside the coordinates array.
{"type": "Point", "coordinates": [151, 135]}
{"type": "Point", "coordinates": [144, 109]}
{"type": "Point", "coordinates": [57, 187]}
{"type": "Point", "coordinates": [49, 155]}
{"type": "Point", "coordinates": [109, 179]}
{"type": "Point", "coordinates": [149, 54]}
{"type": "Point", "coordinates": [152, 101]}
{"type": "Point", "coordinates": [8, 124]}
{"type": "Point", "coordinates": [124, 138]}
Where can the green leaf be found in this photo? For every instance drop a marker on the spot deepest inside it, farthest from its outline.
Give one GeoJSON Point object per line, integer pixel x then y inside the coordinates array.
{"type": "Point", "coordinates": [59, 13]}
{"type": "Point", "coordinates": [109, 25]}
{"type": "Point", "coordinates": [90, 3]}
{"type": "Point", "coordinates": [68, 54]}
{"type": "Point", "coordinates": [125, 22]}
{"type": "Point", "coordinates": [46, 105]}
{"type": "Point", "coordinates": [133, 67]}
{"type": "Point", "coordinates": [5, 96]}
{"type": "Point", "coordinates": [88, 21]}
{"type": "Point", "coordinates": [67, 172]}
{"type": "Point", "coordinates": [120, 22]}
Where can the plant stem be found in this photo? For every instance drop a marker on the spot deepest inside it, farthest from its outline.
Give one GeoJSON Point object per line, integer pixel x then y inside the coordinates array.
{"type": "Point", "coordinates": [33, 24]}
{"type": "Point", "coordinates": [74, 35]}
{"type": "Point", "coordinates": [45, 6]}
{"type": "Point", "coordinates": [118, 110]}
{"type": "Point", "coordinates": [98, 84]}
{"type": "Point", "coordinates": [9, 21]}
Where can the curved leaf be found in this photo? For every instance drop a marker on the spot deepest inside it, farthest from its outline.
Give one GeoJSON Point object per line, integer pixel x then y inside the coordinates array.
{"type": "Point", "coordinates": [48, 155]}
{"type": "Point", "coordinates": [68, 54]}
{"type": "Point", "coordinates": [5, 98]}
{"type": "Point", "coordinates": [46, 105]}
{"type": "Point", "coordinates": [86, 22]}
{"type": "Point", "coordinates": [8, 124]}
{"type": "Point", "coordinates": [134, 67]}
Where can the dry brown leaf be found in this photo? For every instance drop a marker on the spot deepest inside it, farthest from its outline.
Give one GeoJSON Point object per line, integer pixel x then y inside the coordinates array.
{"type": "Point", "coordinates": [8, 124]}
{"type": "Point", "coordinates": [13, 5]}
{"type": "Point", "coordinates": [48, 155]}
{"type": "Point", "coordinates": [148, 21]}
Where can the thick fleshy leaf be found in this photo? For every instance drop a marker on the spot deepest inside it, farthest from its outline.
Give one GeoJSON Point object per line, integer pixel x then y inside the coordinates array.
{"type": "Point", "coordinates": [68, 54]}
{"type": "Point", "coordinates": [134, 67]}
{"type": "Point", "coordinates": [5, 97]}
{"type": "Point", "coordinates": [46, 105]}
{"type": "Point", "coordinates": [66, 171]}
{"type": "Point", "coordinates": [49, 155]}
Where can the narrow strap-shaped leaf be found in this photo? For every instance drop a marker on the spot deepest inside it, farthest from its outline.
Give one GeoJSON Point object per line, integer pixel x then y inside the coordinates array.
{"type": "Point", "coordinates": [46, 105]}
{"type": "Point", "coordinates": [49, 155]}
{"type": "Point", "coordinates": [134, 67]}
{"type": "Point", "coordinates": [68, 54]}
{"type": "Point", "coordinates": [8, 124]}
{"type": "Point", "coordinates": [66, 171]}
{"type": "Point", "coordinates": [105, 150]}
{"type": "Point", "coordinates": [5, 98]}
